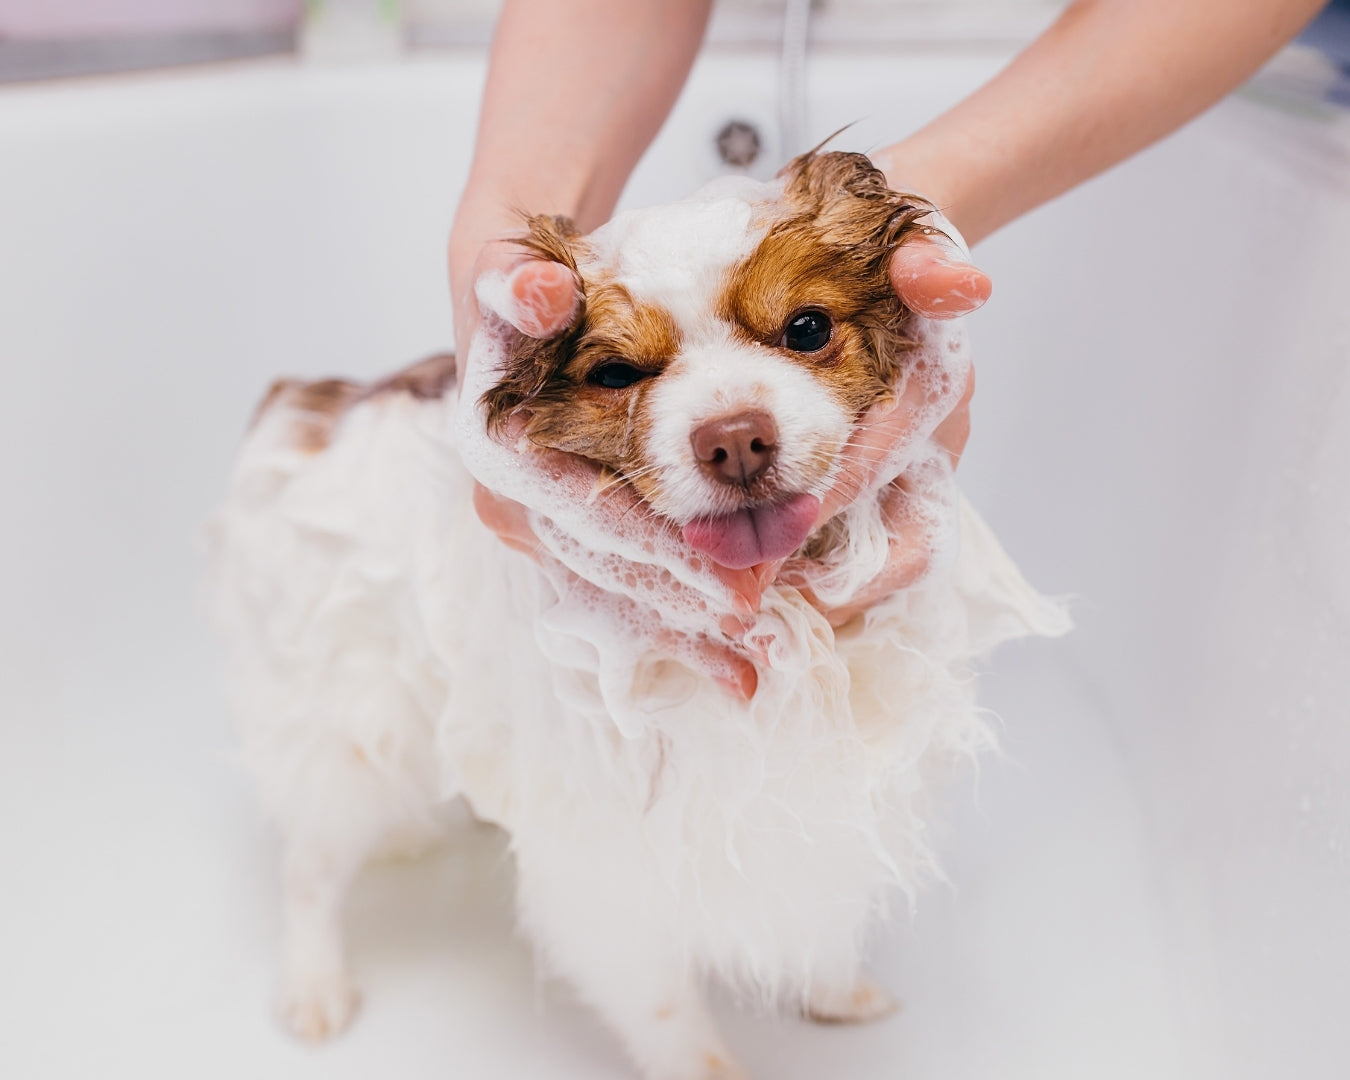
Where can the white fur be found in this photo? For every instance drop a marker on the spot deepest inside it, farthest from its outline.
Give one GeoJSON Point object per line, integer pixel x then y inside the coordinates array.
{"type": "Point", "coordinates": [676, 254]}
{"type": "Point", "coordinates": [721, 377]}
{"type": "Point", "coordinates": [389, 654]}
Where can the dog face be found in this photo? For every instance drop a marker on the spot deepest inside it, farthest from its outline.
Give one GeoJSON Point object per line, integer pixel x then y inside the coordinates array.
{"type": "Point", "coordinates": [724, 348]}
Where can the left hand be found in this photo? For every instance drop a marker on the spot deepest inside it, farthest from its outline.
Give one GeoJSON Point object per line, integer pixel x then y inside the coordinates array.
{"type": "Point", "coordinates": [935, 280]}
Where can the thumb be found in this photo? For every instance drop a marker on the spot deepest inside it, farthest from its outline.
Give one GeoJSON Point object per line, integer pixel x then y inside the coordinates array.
{"type": "Point", "coordinates": [538, 297]}
{"type": "Point", "coordinates": [542, 298]}
{"type": "Point", "coordinates": [936, 279]}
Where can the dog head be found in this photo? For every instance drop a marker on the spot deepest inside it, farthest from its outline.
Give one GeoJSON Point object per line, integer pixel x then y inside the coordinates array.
{"type": "Point", "coordinates": [724, 348]}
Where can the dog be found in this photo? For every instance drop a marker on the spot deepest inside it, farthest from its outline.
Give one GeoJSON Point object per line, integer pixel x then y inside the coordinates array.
{"type": "Point", "coordinates": [388, 654]}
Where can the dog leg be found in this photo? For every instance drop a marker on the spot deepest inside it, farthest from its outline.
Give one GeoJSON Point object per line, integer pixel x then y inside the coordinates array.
{"type": "Point", "coordinates": [661, 1018]}
{"type": "Point", "coordinates": [344, 811]}
{"type": "Point", "coordinates": [620, 956]}
{"type": "Point", "coordinates": [654, 1007]}
{"type": "Point", "coordinates": [318, 996]}
{"type": "Point", "coordinates": [858, 1002]}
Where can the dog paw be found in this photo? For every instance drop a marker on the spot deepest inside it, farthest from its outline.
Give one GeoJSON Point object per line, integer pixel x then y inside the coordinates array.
{"type": "Point", "coordinates": [317, 1007]}
{"type": "Point", "coordinates": [868, 1000]}
{"type": "Point", "coordinates": [721, 1066]}
{"type": "Point", "coordinates": [709, 1065]}
{"type": "Point", "coordinates": [715, 1064]}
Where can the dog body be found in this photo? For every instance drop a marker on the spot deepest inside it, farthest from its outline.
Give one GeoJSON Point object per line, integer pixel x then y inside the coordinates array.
{"type": "Point", "coordinates": [390, 654]}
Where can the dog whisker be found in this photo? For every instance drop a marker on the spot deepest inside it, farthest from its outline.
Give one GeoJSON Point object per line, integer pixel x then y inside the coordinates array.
{"type": "Point", "coordinates": [670, 745]}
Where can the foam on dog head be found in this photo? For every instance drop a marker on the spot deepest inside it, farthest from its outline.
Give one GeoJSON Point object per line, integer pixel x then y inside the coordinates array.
{"type": "Point", "coordinates": [845, 727]}
{"type": "Point", "coordinates": [680, 254]}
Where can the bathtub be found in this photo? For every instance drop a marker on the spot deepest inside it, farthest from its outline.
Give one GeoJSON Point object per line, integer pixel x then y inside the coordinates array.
{"type": "Point", "coordinates": [1152, 879]}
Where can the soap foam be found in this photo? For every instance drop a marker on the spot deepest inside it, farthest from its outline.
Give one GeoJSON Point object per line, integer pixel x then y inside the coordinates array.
{"type": "Point", "coordinates": [859, 543]}
{"type": "Point", "coordinates": [815, 788]}
{"type": "Point", "coordinates": [630, 590]}
{"type": "Point", "coordinates": [676, 254]}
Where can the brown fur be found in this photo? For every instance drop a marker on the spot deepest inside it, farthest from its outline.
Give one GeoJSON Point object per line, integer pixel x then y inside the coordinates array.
{"type": "Point", "coordinates": [548, 380]}
{"type": "Point", "coordinates": [830, 251]}
{"type": "Point", "coordinates": [534, 363]}
{"type": "Point", "coordinates": [316, 408]}
{"type": "Point", "coordinates": [572, 414]}
{"type": "Point", "coordinates": [425, 380]}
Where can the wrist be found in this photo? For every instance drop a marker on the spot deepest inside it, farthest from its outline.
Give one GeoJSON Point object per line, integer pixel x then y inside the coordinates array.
{"type": "Point", "coordinates": [948, 176]}
{"type": "Point", "coordinates": [481, 217]}
{"type": "Point", "coordinates": [564, 179]}
{"type": "Point", "coordinates": [484, 216]}
{"type": "Point", "coordinates": [495, 202]}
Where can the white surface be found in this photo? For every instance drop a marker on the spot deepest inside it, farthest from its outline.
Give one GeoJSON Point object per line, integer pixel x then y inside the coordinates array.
{"type": "Point", "coordinates": [1156, 880]}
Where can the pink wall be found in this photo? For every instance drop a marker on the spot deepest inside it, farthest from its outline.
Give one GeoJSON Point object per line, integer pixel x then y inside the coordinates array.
{"type": "Point", "coordinates": [87, 18]}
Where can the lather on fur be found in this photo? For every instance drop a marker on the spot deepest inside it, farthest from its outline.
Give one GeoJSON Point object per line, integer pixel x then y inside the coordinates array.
{"type": "Point", "coordinates": [389, 654]}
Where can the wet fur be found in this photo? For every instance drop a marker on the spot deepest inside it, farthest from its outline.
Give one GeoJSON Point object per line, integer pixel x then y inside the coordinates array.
{"type": "Point", "coordinates": [387, 654]}
{"type": "Point", "coordinates": [830, 250]}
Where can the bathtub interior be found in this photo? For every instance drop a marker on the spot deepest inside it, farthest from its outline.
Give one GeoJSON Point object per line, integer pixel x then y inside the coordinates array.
{"type": "Point", "coordinates": [1150, 881]}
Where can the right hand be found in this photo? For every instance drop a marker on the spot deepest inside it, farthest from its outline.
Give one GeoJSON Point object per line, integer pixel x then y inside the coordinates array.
{"type": "Point", "coordinates": [546, 296]}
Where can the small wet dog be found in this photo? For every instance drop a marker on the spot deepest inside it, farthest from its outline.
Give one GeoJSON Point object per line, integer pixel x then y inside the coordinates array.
{"type": "Point", "coordinates": [389, 654]}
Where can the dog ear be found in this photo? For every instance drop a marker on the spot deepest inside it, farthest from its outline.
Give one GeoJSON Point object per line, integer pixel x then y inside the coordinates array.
{"type": "Point", "coordinates": [533, 363]}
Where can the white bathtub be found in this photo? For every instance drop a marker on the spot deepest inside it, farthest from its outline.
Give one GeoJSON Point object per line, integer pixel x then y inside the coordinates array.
{"type": "Point", "coordinates": [1154, 882]}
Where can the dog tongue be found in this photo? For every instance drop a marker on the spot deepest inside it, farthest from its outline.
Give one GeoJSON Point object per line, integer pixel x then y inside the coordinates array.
{"type": "Point", "coordinates": [755, 535]}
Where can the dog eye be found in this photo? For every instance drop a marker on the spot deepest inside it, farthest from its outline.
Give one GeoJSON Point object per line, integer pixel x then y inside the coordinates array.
{"type": "Point", "coordinates": [808, 332]}
{"type": "Point", "coordinates": [617, 376]}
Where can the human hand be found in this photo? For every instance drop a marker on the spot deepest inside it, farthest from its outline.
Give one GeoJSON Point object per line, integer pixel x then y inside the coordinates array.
{"type": "Point", "coordinates": [540, 299]}
{"type": "Point", "coordinates": [933, 276]}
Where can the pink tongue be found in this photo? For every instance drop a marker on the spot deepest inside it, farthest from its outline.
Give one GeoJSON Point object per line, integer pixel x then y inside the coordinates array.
{"type": "Point", "coordinates": [757, 535]}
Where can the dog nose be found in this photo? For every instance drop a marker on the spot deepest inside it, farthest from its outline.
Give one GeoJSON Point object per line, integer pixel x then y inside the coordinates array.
{"type": "Point", "coordinates": [736, 449]}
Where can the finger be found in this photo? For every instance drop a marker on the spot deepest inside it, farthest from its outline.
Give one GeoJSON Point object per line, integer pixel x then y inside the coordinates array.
{"type": "Point", "coordinates": [907, 561]}
{"type": "Point", "coordinates": [934, 278]}
{"type": "Point", "coordinates": [545, 297]}
{"type": "Point", "coordinates": [730, 669]}
{"type": "Point", "coordinates": [508, 519]}
{"type": "Point", "coordinates": [766, 572]}
{"type": "Point", "coordinates": [616, 508]}
{"type": "Point", "coordinates": [541, 298]}
{"type": "Point", "coordinates": [911, 540]}
{"type": "Point", "coordinates": [734, 626]}
{"type": "Point", "coordinates": [726, 664]}
{"type": "Point", "coordinates": [953, 433]}
{"type": "Point", "coordinates": [643, 550]}
{"type": "Point", "coordinates": [929, 402]}
{"type": "Point", "coordinates": [494, 256]}
{"type": "Point", "coordinates": [745, 588]}
{"type": "Point", "coordinates": [880, 431]}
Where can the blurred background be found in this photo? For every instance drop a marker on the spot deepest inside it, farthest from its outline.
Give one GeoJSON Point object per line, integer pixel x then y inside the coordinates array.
{"type": "Point", "coordinates": [1153, 879]}
{"type": "Point", "coordinates": [80, 37]}
{"type": "Point", "coordinates": [61, 37]}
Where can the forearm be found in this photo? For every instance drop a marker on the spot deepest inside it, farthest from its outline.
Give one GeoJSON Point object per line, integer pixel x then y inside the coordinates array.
{"type": "Point", "coordinates": [576, 90]}
{"type": "Point", "coordinates": [1109, 78]}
